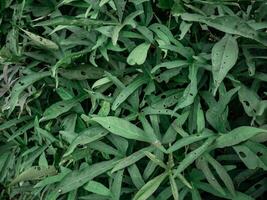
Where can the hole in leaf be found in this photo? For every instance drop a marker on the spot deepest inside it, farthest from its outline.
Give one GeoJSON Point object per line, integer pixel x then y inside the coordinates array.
{"type": "Point", "coordinates": [21, 83]}
{"type": "Point", "coordinates": [163, 96]}
{"type": "Point", "coordinates": [257, 186]}
{"type": "Point", "coordinates": [259, 154]}
{"type": "Point", "coordinates": [83, 73]}
{"type": "Point", "coordinates": [242, 154]}
{"type": "Point", "coordinates": [246, 103]}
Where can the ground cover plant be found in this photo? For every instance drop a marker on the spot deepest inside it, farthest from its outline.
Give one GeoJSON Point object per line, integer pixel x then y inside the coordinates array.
{"type": "Point", "coordinates": [133, 99]}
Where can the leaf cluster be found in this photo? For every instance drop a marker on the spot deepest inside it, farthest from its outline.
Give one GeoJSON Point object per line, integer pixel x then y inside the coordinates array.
{"type": "Point", "coordinates": [133, 99]}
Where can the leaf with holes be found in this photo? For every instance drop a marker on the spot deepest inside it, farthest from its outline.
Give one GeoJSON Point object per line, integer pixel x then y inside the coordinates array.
{"type": "Point", "coordinates": [223, 56]}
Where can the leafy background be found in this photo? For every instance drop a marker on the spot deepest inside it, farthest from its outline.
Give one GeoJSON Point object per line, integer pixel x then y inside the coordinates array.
{"type": "Point", "coordinates": [133, 99]}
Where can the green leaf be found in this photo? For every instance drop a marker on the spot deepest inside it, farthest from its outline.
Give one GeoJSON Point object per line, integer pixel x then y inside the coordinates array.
{"type": "Point", "coordinates": [251, 102]}
{"type": "Point", "coordinates": [221, 171]}
{"type": "Point", "coordinates": [136, 176]}
{"type": "Point", "coordinates": [193, 155]}
{"type": "Point", "coordinates": [188, 140]}
{"type": "Point", "coordinates": [83, 72]}
{"type": "Point", "coordinates": [138, 54]}
{"type": "Point", "coordinates": [21, 85]}
{"type": "Point", "coordinates": [218, 112]}
{"type": "Point", "coordinates": [237, 136]}
{"type": "Point", "coordinates": [40, 41]}
{"type": "Point", "coordinates": [227, 24]}
{"type": "Point", "coordinates": [127, 91]}
{"type": "Point", "coordinates": [170, 65]}
{"type": "Point", "coordinates": [150, 187]}
{"type": "Point", "coordinates": [120, 6]}
{"type": "Point", "coordinates": [117, 185]}
{"type": "Point", "coordinates": [61, 107]}
{"type": "Point", "coordinates": [203, 166]}
{"type": "Point", "coordinates": [87, 136]}
{"type": "Point", "coordinates": [154, 159]}
{"type": "Point", "coordinates": [122, 128]}
{"type": "Point", "coordinates": [190, 91]}
{"type": "Point", "coordinates": [14, 122]}
{"type": "Point", "coordinates": [224, 56]}
{"type": "Point", "coordinates": [97, 188]}
{"type": "Point", "coordinates": [250, 159]}
{"type": "Point", "coordinates": [53, 179]}
{"type": "Point", "coordinates": [133, 158]}
{"type": "Point", "coordinates": [174, 188]}
{"type": "Point", "coordinates": [75, 179]}
{"type": "Point", "coordinates": [34, 173]}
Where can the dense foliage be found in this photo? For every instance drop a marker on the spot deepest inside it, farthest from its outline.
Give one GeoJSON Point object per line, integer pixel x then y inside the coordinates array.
{"type": "Point", "coordinates": [133, 99]}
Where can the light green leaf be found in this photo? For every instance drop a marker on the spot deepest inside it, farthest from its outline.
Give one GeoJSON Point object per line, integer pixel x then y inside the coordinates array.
{"type": "Point", "coordinates": [117, 185]}
{"type": "Point", "coordinates": [122, 128]}
{"type": "Point", "coordinates": [136, 176]}
{"type": "Point", "coordinates": [97, 188]}
{"type": "Point", "coordinates": [174, 188]}
{"type": "Point", "coordinates": [138, 54]}
{"type": "Point", "coordinates": [237, 136]}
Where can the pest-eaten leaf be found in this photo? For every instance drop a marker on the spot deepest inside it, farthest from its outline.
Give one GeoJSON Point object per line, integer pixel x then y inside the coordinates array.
{"type": "Point", "coordinates": [224, 56]}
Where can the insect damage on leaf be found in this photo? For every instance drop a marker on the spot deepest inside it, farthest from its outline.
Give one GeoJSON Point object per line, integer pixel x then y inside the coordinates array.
{"type": "Point", "coordinates": [133, 99]}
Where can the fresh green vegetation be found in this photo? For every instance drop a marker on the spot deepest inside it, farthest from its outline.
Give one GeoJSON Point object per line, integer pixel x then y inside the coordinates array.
{"type": "Point", "coordinates": [133, 99]}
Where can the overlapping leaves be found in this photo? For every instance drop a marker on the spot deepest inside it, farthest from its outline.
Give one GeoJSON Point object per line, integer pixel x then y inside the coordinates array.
{"type": "Point", "coordinates": [115, 99]}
